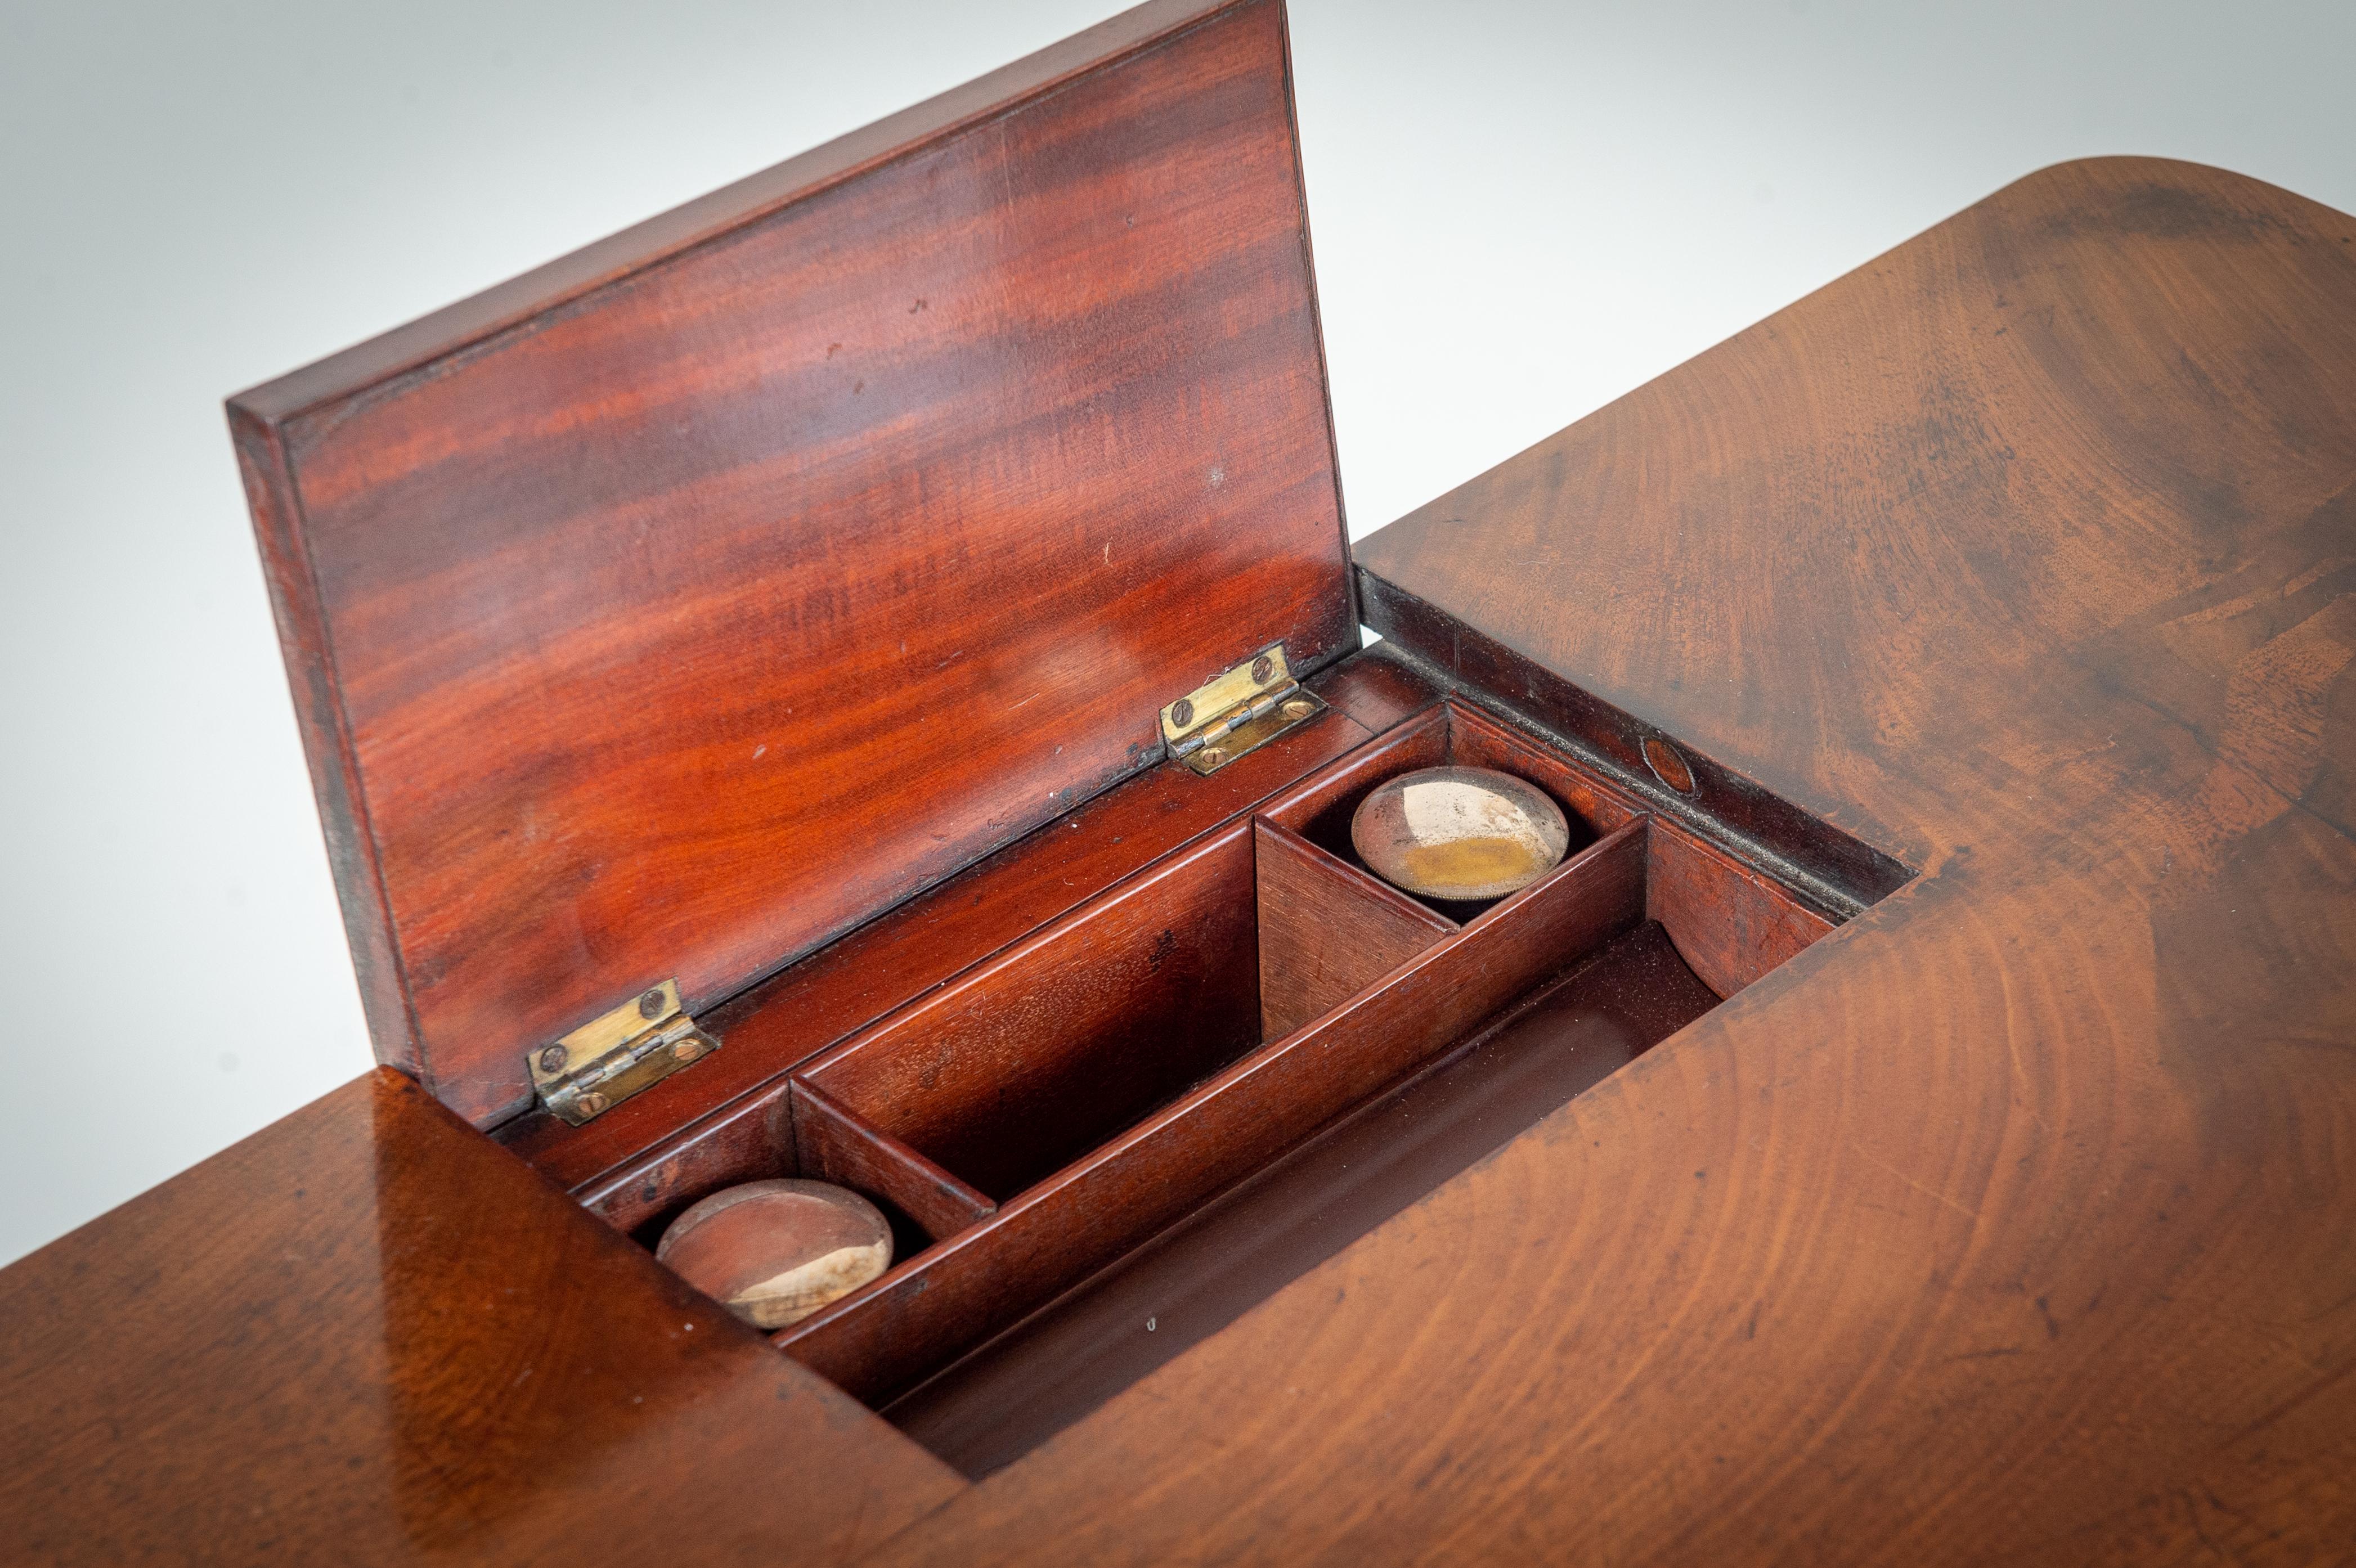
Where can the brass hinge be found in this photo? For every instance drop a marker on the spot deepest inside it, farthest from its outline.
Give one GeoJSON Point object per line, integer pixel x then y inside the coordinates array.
{"type": "Point", "coordinates": [609, 1059]}
{"type": "Point", "coordinates": [1248, 707]}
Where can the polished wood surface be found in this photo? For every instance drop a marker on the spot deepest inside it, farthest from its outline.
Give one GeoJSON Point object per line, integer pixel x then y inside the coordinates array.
{"type": "Point", "coordinates": [2009, 1222]}
{"type": "Point", "coordinates": [658, 1149]}
{"type": "Point", "coordinates": [1194, 1279]}
{"type": "Point", "coordinates": [369, 1335]}
{"type": "Point", "coordinates": [1994, 601]}
{"type": "Point", "coordinates": [675, 610]}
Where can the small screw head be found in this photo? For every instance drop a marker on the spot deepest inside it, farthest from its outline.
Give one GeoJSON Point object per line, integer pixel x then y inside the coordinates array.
{"type": "Point", "coordinates": [650, 1005]}
{"type": "Point", "coordinates": [553, 1060]}
{"type": "Point", "coordinates": [1213, 756]}
{"type": "Point", "coordinates": [1262, 668]}
{"type": "Point", "coordinates": [1182, 712]}
{"type": "Point", "coordinates": [1298, 709]}
{"type": "Point", "coordinates": [593, 1104]}
{"type": "Point", "coordinates": [687, 1050]}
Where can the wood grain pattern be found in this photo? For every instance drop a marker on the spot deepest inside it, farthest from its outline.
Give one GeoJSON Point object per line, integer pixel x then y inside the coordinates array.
{"type": "Point", "coordinates": [367, 1335]}
{"type": "Point", "coordinates": [679, 1137]}
{"type": "Point", "coordinates": [2007, 1223]}
{"type": "Point", "coordinates": [836, 1145]}
{"type": "Point", "coordinates": [1326, 933]}
{"type": "Point", "coordinates": [1026, 1062]}
{"type": "Point", "coordinates": [726, 595]}
{"type": "Point", "coordinates": [1730, 922]}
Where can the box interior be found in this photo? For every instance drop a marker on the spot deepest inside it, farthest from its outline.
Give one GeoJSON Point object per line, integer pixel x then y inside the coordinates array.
{"type": "Point", "coordinates": [1179, 1048]}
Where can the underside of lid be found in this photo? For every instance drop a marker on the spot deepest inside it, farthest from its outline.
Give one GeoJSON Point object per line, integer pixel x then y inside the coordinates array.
{"type": "Point", "coordinates": [671, 610]}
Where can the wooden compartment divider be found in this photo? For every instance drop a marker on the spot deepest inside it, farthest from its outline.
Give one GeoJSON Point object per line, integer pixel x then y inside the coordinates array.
{"type": "Point", "coordinates": [1730, 924]}
{"type": "Point", "coordinates": [1326, 930]}
{"type": "Point", "coordinates": [837, 1146]}
{"type": "Point", "coordinates": [883, 1338]}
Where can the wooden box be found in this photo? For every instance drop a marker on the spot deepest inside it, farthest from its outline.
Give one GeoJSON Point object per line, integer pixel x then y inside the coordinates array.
{"type": "Point", "coordinates": [861, 677]}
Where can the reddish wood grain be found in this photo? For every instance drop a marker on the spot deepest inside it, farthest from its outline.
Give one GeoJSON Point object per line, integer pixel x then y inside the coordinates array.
{"type": "Point", "coordinates": [657, 1139]}
{"type": "Point", "coordinates": [1029, 1061]}
{"type": "Point", "coordinates": [1185, 1285]}
{"type": "Point", "coordinates": [729, 594]}
{"type": "Point", "coordinates": [1730, 922]}
{"type": "Point", "coordinates": [367, 1335]}
{"type": "Point", "coordinates": [2007, 1223]}
{"type": "Point", "coordinates": [917, 1318]}
{"type": "Point", "coordinates": [836, 1145]}
{"type": "Point", "coordinates": [1325, 932]}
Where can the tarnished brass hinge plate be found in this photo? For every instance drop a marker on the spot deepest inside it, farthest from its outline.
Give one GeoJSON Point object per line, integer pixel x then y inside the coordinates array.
{"type": "Point", "coordinates": [1247, 707]}
{"type": "Point", "coordinates": [611, 1057]}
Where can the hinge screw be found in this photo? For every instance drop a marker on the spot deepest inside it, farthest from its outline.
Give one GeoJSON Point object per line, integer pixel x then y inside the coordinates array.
{"type": "Point", "coordinates": [592, 1103]}
{"type": "Point", "coordinates": [1213, 756]}
{"type": "Point", "coordinates": [1262, 667]}
{"type": "Point", "coordinates": [1182, 712]}
{"type": "Point", "coordinates": [650, 1005]}
{"type": "Point", "coordinates": [1297, 708]}
{"type": "Point", "coordinates": [553, 1060]}
{"type": "Point", "coordinates": [687, 1050]}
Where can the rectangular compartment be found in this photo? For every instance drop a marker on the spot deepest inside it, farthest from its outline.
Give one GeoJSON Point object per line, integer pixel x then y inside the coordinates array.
{"type": "Point", "coordinates": [1175, 1050]}
{"type": "Point", "coordinates": [1026, 1062]}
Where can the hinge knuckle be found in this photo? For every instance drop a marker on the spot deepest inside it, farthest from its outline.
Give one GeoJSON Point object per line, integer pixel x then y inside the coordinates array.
{"type": "Point", "coordinates": [617, 1054]}
{"type": "Point", "coordinates": [1237, 711]}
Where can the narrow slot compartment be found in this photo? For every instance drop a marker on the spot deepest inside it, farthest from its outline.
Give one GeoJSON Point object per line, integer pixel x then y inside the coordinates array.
{"type": "Point", "coordinates": [1730, 922]}
{"type": "Point", "coordinates": [1202, 1273]}
{"type": "Point", "coordinates": [1146, 1062]}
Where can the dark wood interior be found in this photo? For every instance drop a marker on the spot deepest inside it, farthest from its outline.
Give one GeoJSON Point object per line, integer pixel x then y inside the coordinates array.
{"type": "Point", "coordinates": [1068, 1098]}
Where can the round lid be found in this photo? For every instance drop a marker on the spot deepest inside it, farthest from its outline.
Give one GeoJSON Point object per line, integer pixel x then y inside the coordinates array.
{"type": "Point", "coordinates": [1460, 834]}
{"type": "Point", "coordinates": [774, 1251]}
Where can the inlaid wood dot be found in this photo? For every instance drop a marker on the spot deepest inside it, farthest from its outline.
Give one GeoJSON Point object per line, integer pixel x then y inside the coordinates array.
{"type": "Point", "coordinates": [774, 1251]}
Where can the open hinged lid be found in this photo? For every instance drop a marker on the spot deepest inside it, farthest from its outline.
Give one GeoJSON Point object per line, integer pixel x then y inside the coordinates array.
{"type": "Point", "coordinates": [665, 613]}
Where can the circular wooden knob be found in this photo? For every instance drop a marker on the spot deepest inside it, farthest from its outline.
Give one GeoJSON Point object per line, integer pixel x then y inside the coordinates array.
{"type": "Point", "coordinates": [1460, 835]}
{"type": "Point", "coordinates": [774, 1251]}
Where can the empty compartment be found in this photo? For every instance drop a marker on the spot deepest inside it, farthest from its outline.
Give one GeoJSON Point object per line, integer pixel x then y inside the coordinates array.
{"type": "Point", "coordinates": [1202, 1273]}
{"type": "Point", "coordinates": [1027, 1061]}
{"type": "Point", "coordinates": [1534, 1002]}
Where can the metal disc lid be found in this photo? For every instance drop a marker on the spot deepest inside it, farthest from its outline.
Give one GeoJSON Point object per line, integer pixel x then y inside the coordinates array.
{"type": "Point", "coordinates": [1460, 835]}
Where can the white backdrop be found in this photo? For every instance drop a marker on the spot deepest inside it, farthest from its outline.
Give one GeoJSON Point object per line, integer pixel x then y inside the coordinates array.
{"type": "Point", "coordinates": [1521, 210]}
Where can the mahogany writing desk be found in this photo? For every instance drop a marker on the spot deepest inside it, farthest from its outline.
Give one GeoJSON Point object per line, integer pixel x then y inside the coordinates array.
{"type": "Point", "coordinates": [1977, 629]}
